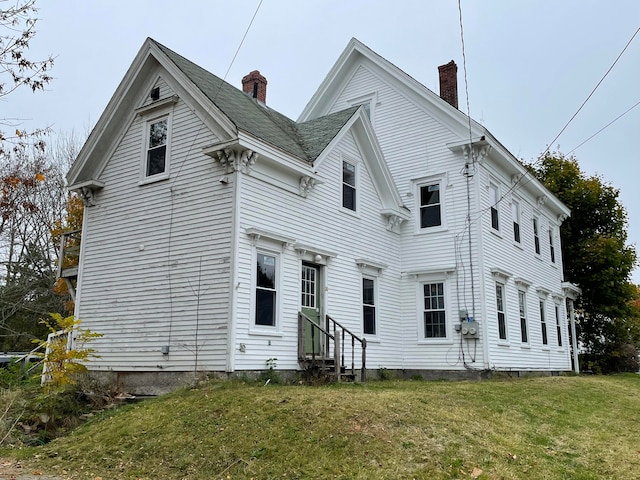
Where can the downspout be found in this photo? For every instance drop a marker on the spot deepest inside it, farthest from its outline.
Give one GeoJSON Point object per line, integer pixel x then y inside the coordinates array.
{"type": "Point", "coordinates": [233, 263]}
{"type": "Point", "coordinates": [480, 273]}
{"type": "Point", "coordinates": [574, 340]}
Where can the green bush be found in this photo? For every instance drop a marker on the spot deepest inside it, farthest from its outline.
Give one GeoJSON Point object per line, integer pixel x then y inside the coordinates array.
{"type": "Point", "coordinates": [617, 358]}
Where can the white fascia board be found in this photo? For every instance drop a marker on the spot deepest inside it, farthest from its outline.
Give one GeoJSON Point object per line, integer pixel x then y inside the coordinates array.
{"type": "Point", "coordinates": [276, 155]}
{"type": "Point", "coordinates": [367, 143]}
{"type": "Point", "coordinates": [334, 75]}
{"type": "Point", "coordinates": [88, 149]}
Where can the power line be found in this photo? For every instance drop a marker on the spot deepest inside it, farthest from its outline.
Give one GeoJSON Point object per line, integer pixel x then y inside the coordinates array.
{"type": "Point", "coordinates": [520, 183]}
{"type": "Point", "coordinates": [603, 128]}
{"type": "Point", "coordinates": [590, 95]}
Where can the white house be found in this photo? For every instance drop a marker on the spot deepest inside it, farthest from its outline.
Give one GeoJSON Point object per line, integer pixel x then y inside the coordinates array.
{"type": "Point", "coordinates": [217, 232]}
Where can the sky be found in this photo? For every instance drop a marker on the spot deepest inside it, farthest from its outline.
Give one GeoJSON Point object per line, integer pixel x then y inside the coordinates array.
{"type": "Point", "coordinates": [530, 63]}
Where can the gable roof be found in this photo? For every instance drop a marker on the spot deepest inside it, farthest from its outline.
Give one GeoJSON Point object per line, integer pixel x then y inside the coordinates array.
{"type": "Point", "coordinates": [305, 140]}
{"type": "Point", "coordinates": [356, 53]}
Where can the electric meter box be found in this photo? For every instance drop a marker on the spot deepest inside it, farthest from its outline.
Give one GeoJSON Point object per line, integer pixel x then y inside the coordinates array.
{"type": "Point", "coordinates": [470, 330]}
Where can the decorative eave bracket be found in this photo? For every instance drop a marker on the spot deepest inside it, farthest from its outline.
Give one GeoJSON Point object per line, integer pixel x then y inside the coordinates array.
{"type": "Point", "coordinates": [233, 157]}
{"type": "Point", "coordinates": [393, 219]}
{"type": "Point", "coordinates": [474, 150]}
{"type": "Point", "coordinates": [86, 190]}
{"type": "Point", "coordinates": [306, 184]}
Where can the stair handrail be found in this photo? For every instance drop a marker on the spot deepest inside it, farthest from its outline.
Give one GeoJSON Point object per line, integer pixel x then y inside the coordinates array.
{"type": "Point", "coordinates": [362, 341]}
{"type": "Point", "coordinates": [302, 354]}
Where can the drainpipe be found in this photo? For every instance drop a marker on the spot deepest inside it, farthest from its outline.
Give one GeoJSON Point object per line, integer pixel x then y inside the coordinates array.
{"type": "Point", "coordinates": [574, 340]}
{"type": "Point", "coordinates": [233, 264]}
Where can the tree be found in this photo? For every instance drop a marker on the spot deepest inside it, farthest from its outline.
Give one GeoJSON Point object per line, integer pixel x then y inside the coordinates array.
{"type": "Point", "coordinates": [596, 256]}
{"type": "Point", "coordinates": [17, 29]}
{"type": "Point", "coordinates": [34, 206]}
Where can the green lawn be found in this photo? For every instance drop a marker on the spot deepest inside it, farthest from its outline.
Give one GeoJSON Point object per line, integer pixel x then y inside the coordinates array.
{"type": "Point", "coordinates": [539, 428]}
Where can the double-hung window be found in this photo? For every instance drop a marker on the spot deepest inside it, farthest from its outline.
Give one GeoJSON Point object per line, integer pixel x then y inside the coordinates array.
{"type": "Point", "coordinates": [435, 325]}
{"type": "Point", "coordinates": [266, 290]}
{"type": "Point", "coordinates": [536, 236]}
{"type": "Point", "coordinates": [515, 214]}
{"type": "Point", "coordinates": [502, 322]}
{"type": "Point", "coordinates": [157, 141]}
{"type": "Point", "coordinates": [493, 205]}
{"type": "Point", "coordinates": [552, 250]}
{"type": "Point", "coordinates": [368, 306]}
{"type": "Point", "coordinates": [522, 306]}
{"type": "Point", "coordinates": [349, 185]}
{"type": "Point", "coordinates": [558, 327]}
{"type": "Point", "coordinates": [430, 206]}
{"type": "Point", "coordinates": [543, 323]}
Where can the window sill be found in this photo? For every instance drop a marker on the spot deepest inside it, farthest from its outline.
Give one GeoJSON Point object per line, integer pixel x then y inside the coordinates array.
{"type": "Point", "coordinates": [427, 230]}
{"type": "Point", "coordinates": [546, 349]}
{"type": "Point", "coordinates": [435, 341]}
{"type": "Point", "coordinates": [154, 178]}
{"type": "Point", "coordinates": [371, 339]}
{"type": "Point", "coordinates": [265, 333]}
{"type": "Point", "coordinates": [526, 346]}
{"type": "Point", "coordinates": [353, 213]}
{"type": "Point", "coordinates": [518, 245]}
{"type": "Point", "coordinates": [503, 343]}
{"type": "Point", "coordinates": [495, 232]}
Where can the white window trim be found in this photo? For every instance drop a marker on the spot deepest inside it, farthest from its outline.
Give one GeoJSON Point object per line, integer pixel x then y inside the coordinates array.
{"type": "Point", "coordinates": [504, 310]}
{"type": "Point", "coordinates": [375, 337]}
{"type": "Point", "coordinates": [442, 181]}
{"type": "Point", "coordinates": [526, 317]}
{"type": "Point", "coordinates": [542, 304]}
{"type": "Point", "coordinates": [517, 204]}
{"type": "Point", "coordinates": [357, 166]}
{"type": "Point", "coordinates": [536, 219]}
{"type": "Point", "coordinates": [494, 185]}
{"type": "Point", "coordinates": [144, 179]}
{"type": "Point", "coordinates": [254, 329]}
{"type": "Point", "coordinates": [422, 339]}
{"type": "Point", "coordinates": [552, 245]}
{"type": "Point", "coordinates": [371, 99]}
{"type": "Point", "coordinates": [558, 313]}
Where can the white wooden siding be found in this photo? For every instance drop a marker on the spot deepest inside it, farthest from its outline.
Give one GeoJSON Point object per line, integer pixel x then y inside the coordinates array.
{"type": "Point", "coordinates": [521, 261]}
{"type": "Point", "coordinates": [320, 221]}
{"type": "Point", "coordinates": [156, 256]}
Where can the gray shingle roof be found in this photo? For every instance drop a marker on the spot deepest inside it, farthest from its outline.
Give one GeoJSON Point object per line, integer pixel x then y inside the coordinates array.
{"type": "Point", "coordinates": [304, 140]}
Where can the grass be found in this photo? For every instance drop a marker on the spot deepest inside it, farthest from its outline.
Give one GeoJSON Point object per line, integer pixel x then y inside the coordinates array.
{"type": "Point", "coordinates": [577, 428]}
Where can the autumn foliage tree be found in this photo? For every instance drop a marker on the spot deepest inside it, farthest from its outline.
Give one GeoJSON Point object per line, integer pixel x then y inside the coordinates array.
{"type": "Point", "coordinates": [34, 206]}
{"type": "Point", "coordinates": [18, 69]}
{"type": "Point", "coordinates": [596, 256]}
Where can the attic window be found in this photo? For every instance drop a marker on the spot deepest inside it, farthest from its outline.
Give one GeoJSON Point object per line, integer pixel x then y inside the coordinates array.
{"type": "Point", "coordinates": [157, 146]}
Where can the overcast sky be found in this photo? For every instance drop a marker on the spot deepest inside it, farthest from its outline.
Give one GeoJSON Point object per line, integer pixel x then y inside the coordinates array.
{"type": "Point", "coordinates": [530, 63]}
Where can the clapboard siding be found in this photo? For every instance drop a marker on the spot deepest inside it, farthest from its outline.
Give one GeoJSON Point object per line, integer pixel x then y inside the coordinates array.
{"type": "Point", "coordinates": [414, 145]}
{"type": "Point", "coordinates": [320, 222]}
{"type": "Point", "coordinates": [521, 261]}
{"type": "Point", "coordinates": [156, 256]}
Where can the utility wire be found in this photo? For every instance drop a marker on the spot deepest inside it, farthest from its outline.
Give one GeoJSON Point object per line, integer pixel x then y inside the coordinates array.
{"type": "Point", "coordinates": [590, 95]}
{"type": "Point", "coordinates": [603, 128]}
{"type": "Point", "coordinates": [171, 191]}
{"type": "Point", "coordinates": [523, 180]}
{"type": "Point", "coordinates": [467, 174]}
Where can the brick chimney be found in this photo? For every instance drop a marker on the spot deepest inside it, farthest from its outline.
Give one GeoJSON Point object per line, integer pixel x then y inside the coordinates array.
{"type": "Point", "coordinates": [255, 85]}
{"type": "Point", "coordinates": [449, 83]}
